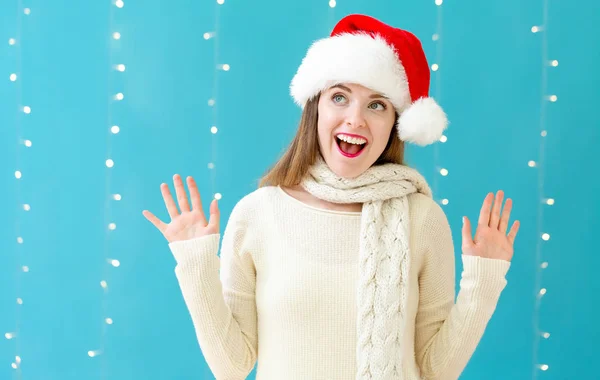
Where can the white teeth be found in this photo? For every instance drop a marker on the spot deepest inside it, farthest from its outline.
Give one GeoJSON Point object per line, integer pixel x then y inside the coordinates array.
{"type": "Point", "coordinates": [352, 140]}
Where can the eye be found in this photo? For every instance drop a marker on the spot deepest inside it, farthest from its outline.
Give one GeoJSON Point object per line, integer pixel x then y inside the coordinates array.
{"type": "Point", "coordinates": [337, 96]}
{"type": "Point", "coordinates": [383, 106]}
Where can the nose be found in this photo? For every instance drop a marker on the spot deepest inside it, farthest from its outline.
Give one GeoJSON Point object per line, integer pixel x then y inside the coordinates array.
{"type": "Point", "coordinates": [355, 117]}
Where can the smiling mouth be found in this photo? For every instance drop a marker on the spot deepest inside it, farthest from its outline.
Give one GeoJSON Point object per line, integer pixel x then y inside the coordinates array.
{"type": "Point", "coordinates": [348, 149]}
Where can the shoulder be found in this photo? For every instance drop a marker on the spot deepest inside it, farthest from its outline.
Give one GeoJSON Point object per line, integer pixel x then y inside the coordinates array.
{"type": "Point", "coordinates": [250, 205]}
{"type": "Point", "coordinates": [427, 217]}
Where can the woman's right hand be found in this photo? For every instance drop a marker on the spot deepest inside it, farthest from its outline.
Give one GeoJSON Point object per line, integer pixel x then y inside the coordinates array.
{"type": "Point", "coordinates": [188, 224]}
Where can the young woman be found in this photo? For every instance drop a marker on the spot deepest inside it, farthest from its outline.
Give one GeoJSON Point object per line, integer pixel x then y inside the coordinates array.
{"type": "Point", "coordinates": [341, 265]}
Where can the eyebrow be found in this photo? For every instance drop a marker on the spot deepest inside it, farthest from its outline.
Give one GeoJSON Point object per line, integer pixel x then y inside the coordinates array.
{"type": "Point", "coordinates": [373, 96]}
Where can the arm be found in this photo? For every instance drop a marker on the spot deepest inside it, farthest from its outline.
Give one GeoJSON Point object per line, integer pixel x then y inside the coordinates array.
{"type": "Point", "coordinates": [222, 305]}
{"type": "Point", "coordinates": [446, 334]}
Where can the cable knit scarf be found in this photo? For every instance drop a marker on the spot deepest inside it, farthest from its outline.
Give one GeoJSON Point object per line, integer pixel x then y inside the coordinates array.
{"type": "Point", "coordinates": [383, 257]}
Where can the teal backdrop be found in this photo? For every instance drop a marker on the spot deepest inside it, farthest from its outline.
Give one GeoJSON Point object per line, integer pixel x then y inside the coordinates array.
{"type": "Point", "coordinates": [495, 78]}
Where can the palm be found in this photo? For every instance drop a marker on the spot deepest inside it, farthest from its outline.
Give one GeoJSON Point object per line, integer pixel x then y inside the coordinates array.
{"type": "Point", "coordinates": [189, 223]}
{"type": "Point", "coordinates": [491, 240]}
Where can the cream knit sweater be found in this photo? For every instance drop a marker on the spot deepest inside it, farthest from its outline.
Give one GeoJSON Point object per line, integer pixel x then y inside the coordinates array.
{"type": "Point", "coordinates": [283, 292]}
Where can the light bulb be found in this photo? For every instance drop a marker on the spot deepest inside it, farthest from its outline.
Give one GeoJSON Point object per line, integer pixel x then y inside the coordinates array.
{"type": "Point", "coordinates": [115, 129]}
{"type": "Point", "coordinates": [213, 129]}
{"type": "Point", "coordinates": [435, 67]}
{"type": "Point", "coordinates": [12, 41]}
{"type": "Point", "coordinates": [27, 109]}
{"type": "Point", "coordinates": [13, 77]}
{"type": "Point", "coordinates": [116, 35]}
{"type": "Point", "coordinates": [544, 367]}
{"type": "Point", "coordinates": [121, 67]}
{"type": "Point", "coordinates": [112, 226]}
{"type": "Point", "coordinates": [444, 138]}
{"type": "Point", "coordinates": [444, 172]}
{"type": "Point", "coordinates": [28, 143]}
{"type": "Point", "coordinates": [332, 3]}
{"type": "Point", "coordinates": [119, 3]}
{"type": "Point", "coordinates": [110, 163]}
{"type": "Point", "coordinates": [211, 165]}
{"type": "Point", "coordinates": [544, 265]}
{"type": "Point", "coordinates": [445, 202]}
{"type": "Point", "coordinates": [218, 196]}
{"type": "Point", "coordinates": [531, 164]}
{"type": "Point", "coordinates": [117, 197]}
{"type": "Point", "coordinates": [26, 207]}
{"type": "Point", "coordinates": [546, 236]}
{"type": "Point", "coordinates": [438, 2]}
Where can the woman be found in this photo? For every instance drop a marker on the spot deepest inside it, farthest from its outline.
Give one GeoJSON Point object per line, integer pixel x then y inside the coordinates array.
{"type": "Point", "coordinates": [341, 266]}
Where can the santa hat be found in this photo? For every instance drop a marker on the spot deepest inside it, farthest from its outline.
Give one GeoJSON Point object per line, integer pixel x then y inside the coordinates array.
{"type": "Point", "coordinates": [388, 60]}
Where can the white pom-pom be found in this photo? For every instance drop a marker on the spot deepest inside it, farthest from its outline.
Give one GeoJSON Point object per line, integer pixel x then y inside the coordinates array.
{"type": "Point", "coordinates": [422, 123]}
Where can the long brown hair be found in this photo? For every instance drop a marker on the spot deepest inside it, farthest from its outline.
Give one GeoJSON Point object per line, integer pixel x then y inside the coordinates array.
{"type": "Point", "coordinates": [303, 151]}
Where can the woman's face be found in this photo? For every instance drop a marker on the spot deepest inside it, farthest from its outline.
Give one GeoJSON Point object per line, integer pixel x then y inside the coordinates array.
{"type": "Point", "coordinates": [356, 114]}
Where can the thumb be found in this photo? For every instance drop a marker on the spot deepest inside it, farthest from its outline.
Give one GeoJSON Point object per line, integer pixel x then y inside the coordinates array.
{"type": "Point", "coordinates": [467, 239]}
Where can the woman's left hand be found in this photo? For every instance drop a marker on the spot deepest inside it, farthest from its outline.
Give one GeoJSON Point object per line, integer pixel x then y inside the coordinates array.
{"type": "Point", "coordinates": [491, 240]}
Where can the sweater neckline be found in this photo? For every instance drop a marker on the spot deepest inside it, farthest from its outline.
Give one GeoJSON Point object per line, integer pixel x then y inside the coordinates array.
{"type": "Point", "coordinates": [297, 201]}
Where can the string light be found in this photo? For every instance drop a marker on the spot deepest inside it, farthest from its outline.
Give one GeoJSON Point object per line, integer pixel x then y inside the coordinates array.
{"type": "Point", "coordinates": [436, 38]}
{"type": "Point", "coordinates": [112, 129]}
{"type": "Point", "coordinates": [15, 77]}
{"type": "Point", "coordinates": [544, 201]}
{"type": "Point", "coordinates": [213, 37]}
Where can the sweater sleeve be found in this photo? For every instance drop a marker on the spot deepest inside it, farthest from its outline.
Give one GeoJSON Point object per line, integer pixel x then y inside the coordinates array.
{"type": "Point", "coordinates": [447, 333]}
{"type": "Point", "coordinates": [221, 303]}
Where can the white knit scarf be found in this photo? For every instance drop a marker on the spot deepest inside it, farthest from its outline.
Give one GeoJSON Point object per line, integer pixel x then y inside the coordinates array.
{"type": "Point", "coordinates": [383, 257]}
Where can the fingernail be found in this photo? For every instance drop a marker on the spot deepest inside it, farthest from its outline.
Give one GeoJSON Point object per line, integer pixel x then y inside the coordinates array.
{"type": "Point", "coordinates": [463, 218]}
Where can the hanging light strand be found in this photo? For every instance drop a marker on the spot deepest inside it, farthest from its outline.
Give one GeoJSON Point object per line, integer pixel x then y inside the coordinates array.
{"type": "Point", "coordinates": [214, 100]}
{"type": "Point", "coordinates": [542, 235]}
{"type": "Point", "coordinates": [440, 170]}
{"type": "Point", "coordinates": [15, 79]}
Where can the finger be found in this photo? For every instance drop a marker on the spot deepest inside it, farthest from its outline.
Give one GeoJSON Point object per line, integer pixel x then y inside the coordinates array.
{"type": "Point", "coordinates": [505, 216]}
{"type": "Point", "coordinates": [495, 216]}
{"type": "Point", "coordinates": [169, 202]}
{"type": "Point", "coordinates": [154, 220]}
{"type": "Point", "coordinates": [467, 237]}
{"type": "Point", "coordinates": [215, 214]}
{"type": "Point", "coordinates": [181, 195]}
{"type": "Point", "coordinates": [195, 196]}
{"type": "Point", "coordinates": [484, 214]}
{"type": "Point", "coordinates": [513, 232]}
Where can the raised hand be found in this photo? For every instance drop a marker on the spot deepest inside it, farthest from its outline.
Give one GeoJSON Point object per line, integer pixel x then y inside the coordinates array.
{"type": "Point", "coordinates": [187, 224]}
{"type": "Point", "coordinates": [491, 240]}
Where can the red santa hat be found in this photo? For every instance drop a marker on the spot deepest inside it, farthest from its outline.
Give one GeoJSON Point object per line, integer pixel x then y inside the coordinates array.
{"type": "Point", "coordinates": [388, 60]}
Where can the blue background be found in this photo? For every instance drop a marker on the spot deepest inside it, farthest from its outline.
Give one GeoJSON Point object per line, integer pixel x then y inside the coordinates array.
{"type": "Point", "coordinates": [492, 82]}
